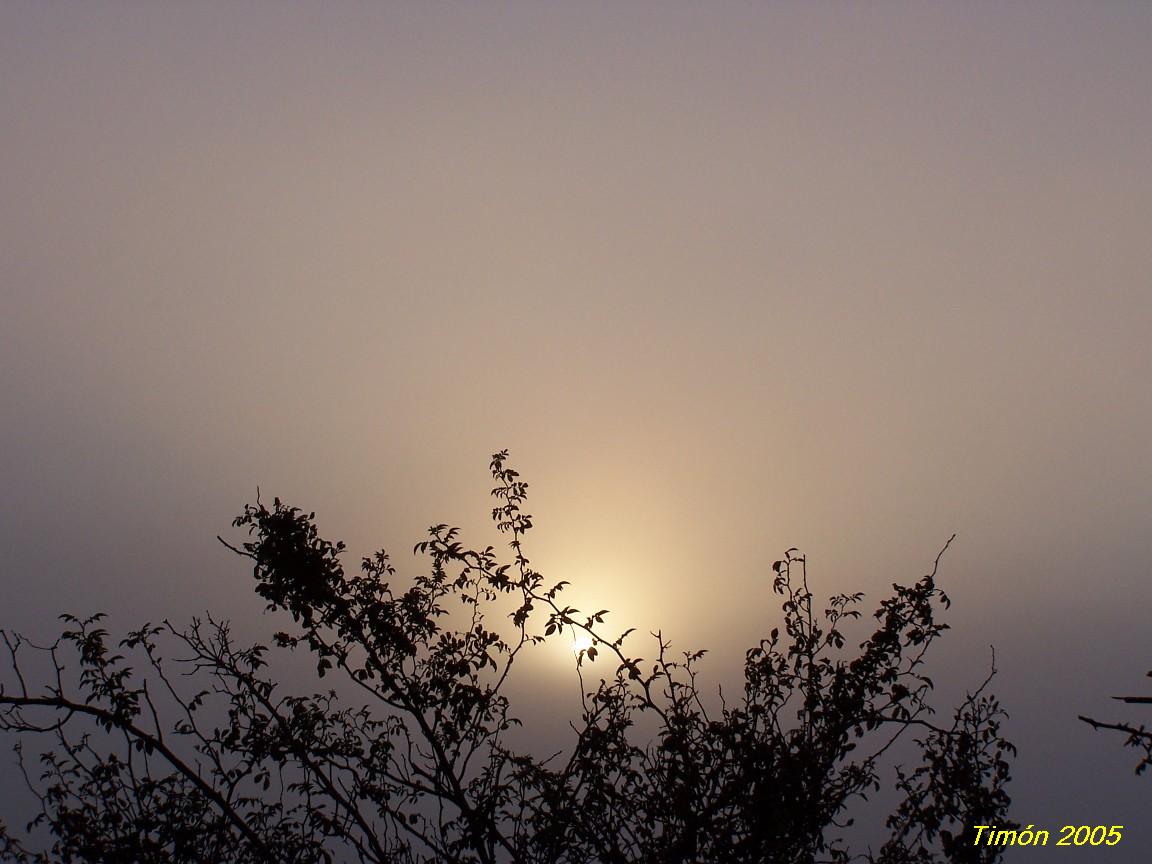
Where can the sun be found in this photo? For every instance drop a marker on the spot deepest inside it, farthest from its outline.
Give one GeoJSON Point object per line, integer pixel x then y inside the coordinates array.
{"type": "Point", "coordinates": [581, 642]}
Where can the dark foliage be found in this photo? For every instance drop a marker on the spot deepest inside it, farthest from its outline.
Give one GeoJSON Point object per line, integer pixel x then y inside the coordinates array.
{"type": "Point", "coordinates": [199, 756]}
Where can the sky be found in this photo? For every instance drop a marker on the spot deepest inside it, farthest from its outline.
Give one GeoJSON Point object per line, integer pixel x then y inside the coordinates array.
{"type": "Point", "coordinates": [725, 278]}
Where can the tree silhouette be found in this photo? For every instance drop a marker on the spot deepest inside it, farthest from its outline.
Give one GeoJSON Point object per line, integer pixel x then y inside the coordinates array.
{"type": "Point", "coordinates": [196, 753]}
{"type": "Point", "coordinates": [1137, 736]}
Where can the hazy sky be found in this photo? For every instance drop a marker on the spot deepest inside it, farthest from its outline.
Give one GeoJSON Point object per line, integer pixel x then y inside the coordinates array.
{"type": "Point", "coordinates": [726, 278]}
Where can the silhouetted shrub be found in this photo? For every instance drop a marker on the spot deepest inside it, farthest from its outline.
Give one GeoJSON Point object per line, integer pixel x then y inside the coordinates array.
{"type": "Point", "coordinates": [199, 756]}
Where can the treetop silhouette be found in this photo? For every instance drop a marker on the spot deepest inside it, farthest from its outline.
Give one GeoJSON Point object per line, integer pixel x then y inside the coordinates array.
{"type": "Point", "coordinates": [175, 744]}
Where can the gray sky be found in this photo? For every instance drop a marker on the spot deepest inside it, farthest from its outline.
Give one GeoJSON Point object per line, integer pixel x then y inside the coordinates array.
{"type": "Point", "coordinates": [726, 278]}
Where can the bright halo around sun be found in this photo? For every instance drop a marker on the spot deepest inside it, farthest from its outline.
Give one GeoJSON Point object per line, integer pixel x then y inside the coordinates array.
{"type": "Point", "coordinates": [581, 642]}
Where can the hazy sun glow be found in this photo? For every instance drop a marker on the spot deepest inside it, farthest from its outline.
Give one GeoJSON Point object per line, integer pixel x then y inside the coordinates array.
{"type": "Point", "coordinates": [581, 642]}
